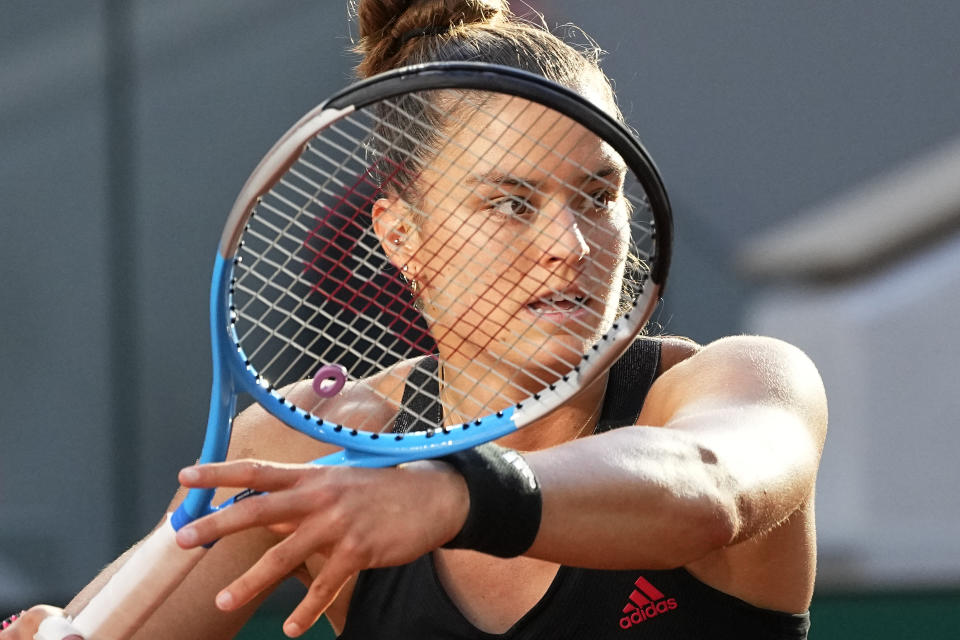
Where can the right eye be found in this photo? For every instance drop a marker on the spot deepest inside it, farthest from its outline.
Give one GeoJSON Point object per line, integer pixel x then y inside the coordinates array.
{"type": "Point", "coordinates": [510, 206]}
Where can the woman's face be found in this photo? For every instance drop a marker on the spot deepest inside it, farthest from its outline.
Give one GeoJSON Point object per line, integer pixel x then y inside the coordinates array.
{"type": "Point", "coordinates": [521, 236]}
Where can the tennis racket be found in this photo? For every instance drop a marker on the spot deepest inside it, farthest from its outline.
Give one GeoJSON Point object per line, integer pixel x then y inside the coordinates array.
{"type": "Point", "coordinates": [470, 234]}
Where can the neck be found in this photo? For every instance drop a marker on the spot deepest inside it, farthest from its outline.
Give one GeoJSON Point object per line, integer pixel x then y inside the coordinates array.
{"type": "Point", "coordinates": [478, 384]}
{"type": "Point", "coordinates": [577, 418]}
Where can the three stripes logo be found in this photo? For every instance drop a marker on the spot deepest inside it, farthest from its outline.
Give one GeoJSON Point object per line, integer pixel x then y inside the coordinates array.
{"type": "Point", "coordinates": [646, 602]}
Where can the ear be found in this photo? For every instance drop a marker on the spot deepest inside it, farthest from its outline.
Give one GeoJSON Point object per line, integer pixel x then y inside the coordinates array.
{"type": "Point", "coordinates": [394, 227]}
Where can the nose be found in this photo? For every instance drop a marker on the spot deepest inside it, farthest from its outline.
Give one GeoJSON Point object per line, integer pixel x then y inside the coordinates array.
{"type": "Point", "coordinates": [561, 238]}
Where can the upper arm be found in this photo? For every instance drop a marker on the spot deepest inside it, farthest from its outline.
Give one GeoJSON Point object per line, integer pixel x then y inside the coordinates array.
{"type": "Point", "coordinates": [756, 407]}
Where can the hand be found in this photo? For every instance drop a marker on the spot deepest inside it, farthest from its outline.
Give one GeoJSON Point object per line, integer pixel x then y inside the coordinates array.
{"type": "Point", "coordinates": [27, 623]}
{"type": "Point", "coordinates": [351, 518]}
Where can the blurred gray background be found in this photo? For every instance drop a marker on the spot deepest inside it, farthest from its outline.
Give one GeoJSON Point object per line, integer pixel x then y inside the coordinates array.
{"type": "Point", "coordinates": [126, 129]}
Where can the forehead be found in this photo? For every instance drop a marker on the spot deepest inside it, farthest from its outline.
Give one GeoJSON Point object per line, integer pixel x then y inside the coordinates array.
{"type": "Point", "coordinates": [483, 132]}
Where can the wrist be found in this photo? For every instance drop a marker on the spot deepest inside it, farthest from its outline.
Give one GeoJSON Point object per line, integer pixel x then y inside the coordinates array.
{"type": "Point", "coordinates": [505, 504]}
{"type": "Point", "coordinates": [449, 496]}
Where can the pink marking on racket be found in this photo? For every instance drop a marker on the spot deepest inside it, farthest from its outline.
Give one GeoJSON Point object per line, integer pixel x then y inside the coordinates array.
{"type": "Point", "coordinates": [329, 379]}
{"type": "Point", "coordinates": [9, 621]}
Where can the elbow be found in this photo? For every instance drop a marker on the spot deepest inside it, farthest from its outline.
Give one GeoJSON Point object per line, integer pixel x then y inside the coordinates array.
{"type": "Point", "coordinates": [710, 525]}
{"type": "Point", "coordinates": [709, 516]}
{"type": "Point", "coordinates": [696, 526]}
{"type": "Point", "coordinates": [719, 522]}
{"type": "Point", "coordinates": [716, 507]}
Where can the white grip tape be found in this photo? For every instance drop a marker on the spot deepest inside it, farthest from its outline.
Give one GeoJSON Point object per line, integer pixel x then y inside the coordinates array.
{"type": "Point", "coordinates": [135, 591]}
{"type": "Point", "coordinates": [56, 628]}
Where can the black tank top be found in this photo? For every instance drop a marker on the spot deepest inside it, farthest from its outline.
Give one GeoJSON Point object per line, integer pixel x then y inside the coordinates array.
{"type": "Point", "coordinates": [585, 604]}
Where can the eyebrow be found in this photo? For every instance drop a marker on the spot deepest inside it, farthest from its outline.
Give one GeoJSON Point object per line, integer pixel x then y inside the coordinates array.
{"type": "Point", "coordinates": [494, 177]}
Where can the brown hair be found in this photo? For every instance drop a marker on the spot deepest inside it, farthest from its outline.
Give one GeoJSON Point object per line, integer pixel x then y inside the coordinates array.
{"type": "Point", "coordinates": [395, 33]}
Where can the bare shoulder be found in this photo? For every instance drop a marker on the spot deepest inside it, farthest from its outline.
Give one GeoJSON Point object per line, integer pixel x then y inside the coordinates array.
{"type": "Point", "coordinates": [370, 404]}
{"type": "Point", "coordinates": [730, 350]}
{"type": "Point", "coordinates": [734, 373]}
{"type": "Point", "coordinates": [675, 349]}
{"type": "Point", "coordinates": [741, 369]}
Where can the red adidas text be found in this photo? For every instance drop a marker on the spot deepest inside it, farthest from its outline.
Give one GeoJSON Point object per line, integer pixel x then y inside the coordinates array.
{"type": "Point", "coordinates": [646, 602]}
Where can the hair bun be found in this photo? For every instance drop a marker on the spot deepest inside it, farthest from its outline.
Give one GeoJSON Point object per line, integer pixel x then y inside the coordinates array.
{"type": "Point", "coordinates": [386, 26]}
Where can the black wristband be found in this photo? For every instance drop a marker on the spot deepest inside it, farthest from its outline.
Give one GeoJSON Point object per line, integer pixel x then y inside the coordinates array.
{"type": "Point", "coordinates": [505, 502]}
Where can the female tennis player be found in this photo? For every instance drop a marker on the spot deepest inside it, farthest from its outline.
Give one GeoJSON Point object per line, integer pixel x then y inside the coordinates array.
{"type": "Point", "coordinates": [671, 499]}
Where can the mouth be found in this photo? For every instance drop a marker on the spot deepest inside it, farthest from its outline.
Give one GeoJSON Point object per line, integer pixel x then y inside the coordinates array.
{"type": "Point", "coordinates": [559, 304]}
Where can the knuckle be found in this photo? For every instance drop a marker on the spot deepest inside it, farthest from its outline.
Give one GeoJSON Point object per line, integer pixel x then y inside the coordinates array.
{"type": "Point", "coordinates": [319, 595]}
{"type": "Point", "coordinates": [256, 469]}
{"type": "Point", "coordinates": [337, 522]}
{"type": "Point", "coordinates": [255, 508]}
{"type": "Point", "coordinates": [280, 556]}
{"type": "Point", "coordinates": [354, 547]}
{"type": "Point", "coordinates": [318, 589]}
{"type": "Point", "coordinates": [318, 495]}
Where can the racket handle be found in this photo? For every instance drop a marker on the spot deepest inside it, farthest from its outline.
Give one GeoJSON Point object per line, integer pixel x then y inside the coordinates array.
{"type": "Point", "coordinates": [56, 628]}
{"type": "Point", "coordinates": [134, 592]}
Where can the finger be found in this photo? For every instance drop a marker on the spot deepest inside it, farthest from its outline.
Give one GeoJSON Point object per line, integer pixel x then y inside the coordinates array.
{"type": "Point", "coordinates": [253, 474]}
{"type": "Point", "coordinates": [276, 564]}
{"type": "Point", "coordinates": [9, 620]}
{"type": "Point", "coordinates": [282, 529]}
{"type": "Point", "coordinates": [256, 511]}
{"type": "Point", "coordinates": [26, 622]}
{"type": "Point", "coordinates": [335, 573]}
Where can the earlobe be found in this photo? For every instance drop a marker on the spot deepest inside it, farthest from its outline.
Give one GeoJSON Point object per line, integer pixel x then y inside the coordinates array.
{"type": "Point", "coordinates": [387, 226]}
{"type": "Point", "coordinates": [393, 228]}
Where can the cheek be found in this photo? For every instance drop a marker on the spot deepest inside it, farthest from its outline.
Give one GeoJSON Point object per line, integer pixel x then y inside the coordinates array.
{"type": "Point", "coordinates": [474, 263]}
{"type": "Point", "coordinates": [477, 280]}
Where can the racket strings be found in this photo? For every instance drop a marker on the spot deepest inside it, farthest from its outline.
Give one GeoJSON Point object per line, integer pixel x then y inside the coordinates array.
{"type": "Point", "coordinates": [452, 132]}
{"type": "Point", "coordinates": [312, 238]}
{"type": "Point", "coordinates": [304, 170]}
{"type": "Point", "coordinates": [476, 385]}
{"type": "Point", "coordinates": [291, 220]}
{"type": "Point", "coordinates": [512, 127]}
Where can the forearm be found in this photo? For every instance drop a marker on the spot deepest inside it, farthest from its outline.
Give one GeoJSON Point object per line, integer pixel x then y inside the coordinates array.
{"type": "Point", "coordinates": [633, 497]}
{"type": "Point", "coordinates": [190, 611]}
{"type": "Point", "coordinates": [94, 586]}
{"type": "Point", "coordinates": [742, 427]}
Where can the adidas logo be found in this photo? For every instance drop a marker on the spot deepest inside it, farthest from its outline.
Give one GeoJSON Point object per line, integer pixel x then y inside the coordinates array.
{"type": "Point", "coordinates": [646, 602]}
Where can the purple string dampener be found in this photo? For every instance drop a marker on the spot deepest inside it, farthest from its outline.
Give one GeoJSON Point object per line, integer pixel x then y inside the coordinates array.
{"type": "Point", "coordinates": [329, 380]}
